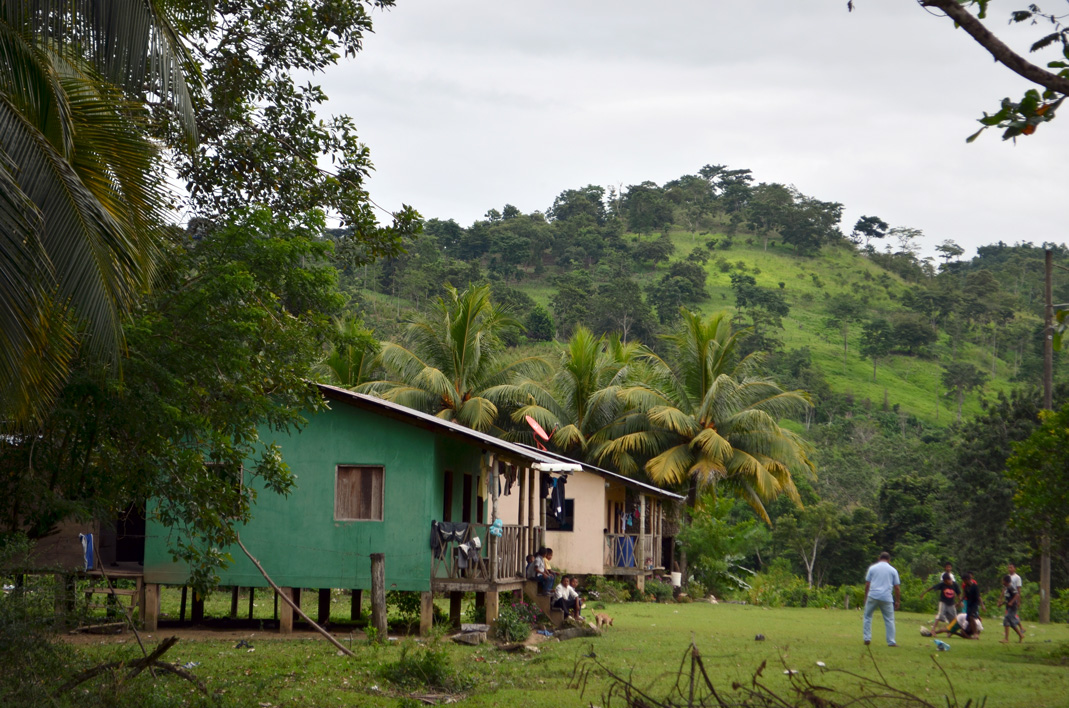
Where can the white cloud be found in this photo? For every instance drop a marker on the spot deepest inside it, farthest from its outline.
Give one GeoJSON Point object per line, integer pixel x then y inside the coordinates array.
{"type": "Point", "coordinates": [470, 105]}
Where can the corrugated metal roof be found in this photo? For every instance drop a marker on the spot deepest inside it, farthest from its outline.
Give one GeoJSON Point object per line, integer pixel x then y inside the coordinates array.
{"type": "Point", "coordinates": [624, 479]}
{"type": "Point", "coordinates": [553, 463]}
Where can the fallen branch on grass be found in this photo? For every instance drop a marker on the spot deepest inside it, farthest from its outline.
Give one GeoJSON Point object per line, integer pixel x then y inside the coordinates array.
{"type": "Point", "coordinates": [151, 661]}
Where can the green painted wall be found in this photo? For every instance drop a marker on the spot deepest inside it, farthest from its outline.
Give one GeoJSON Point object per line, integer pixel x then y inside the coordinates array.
{"type": "Point", "coordinates": [296, 538]}
{"type": "Point", "coordinates": [461, 459]}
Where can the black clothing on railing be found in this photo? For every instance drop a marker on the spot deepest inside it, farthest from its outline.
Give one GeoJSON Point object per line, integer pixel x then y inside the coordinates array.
{"type": "Point", "coordinates": [445, 532]}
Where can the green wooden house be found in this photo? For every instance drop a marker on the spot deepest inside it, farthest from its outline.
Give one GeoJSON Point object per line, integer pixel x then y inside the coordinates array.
{"type": "Point", "coordinates": [373, 477]}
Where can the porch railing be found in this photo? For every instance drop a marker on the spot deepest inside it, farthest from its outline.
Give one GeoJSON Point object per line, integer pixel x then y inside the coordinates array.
{"type": "Point", "coordinates": [511, 562]}
{"type": "Point", "coordinates": [621, 550]}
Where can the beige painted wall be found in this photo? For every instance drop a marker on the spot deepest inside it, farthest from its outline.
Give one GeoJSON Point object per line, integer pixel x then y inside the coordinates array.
{"type": "Point", "coordinates": [581, 550]}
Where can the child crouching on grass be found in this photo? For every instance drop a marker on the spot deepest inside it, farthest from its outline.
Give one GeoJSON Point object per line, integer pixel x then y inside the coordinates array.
{"type": "Point", "coordinates": [1012, 600]}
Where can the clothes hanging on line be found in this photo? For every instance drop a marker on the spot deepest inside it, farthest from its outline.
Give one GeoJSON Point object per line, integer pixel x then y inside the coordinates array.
{"type": "Point", "coordinates": [556, 501]}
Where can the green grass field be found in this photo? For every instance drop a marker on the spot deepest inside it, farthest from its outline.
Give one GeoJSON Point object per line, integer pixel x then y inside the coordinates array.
{"type": "Point", "coordinates": [648, 642]}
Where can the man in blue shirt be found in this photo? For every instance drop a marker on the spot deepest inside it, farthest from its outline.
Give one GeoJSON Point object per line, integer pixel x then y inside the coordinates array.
{"type": "Point", "coordinates": [882, 591]}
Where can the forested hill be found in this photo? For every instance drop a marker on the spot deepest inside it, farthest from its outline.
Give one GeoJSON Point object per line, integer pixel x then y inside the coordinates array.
{"type": "Point", "coordinates": [891, 346]}
{"type": "Point", "coordinates": [853, 315]}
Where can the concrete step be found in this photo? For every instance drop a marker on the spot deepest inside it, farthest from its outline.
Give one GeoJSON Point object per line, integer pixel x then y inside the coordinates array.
{"type": "Point", "coordinates": [530, 590]}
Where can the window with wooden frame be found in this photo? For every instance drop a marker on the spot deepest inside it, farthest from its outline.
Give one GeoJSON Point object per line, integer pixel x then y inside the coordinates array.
{"type": "Point", "coordinates": [358, 493]}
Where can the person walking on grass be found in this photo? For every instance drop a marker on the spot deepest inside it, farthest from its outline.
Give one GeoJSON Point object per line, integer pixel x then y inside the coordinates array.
{"type": "Point", "coordinates": [1012, 600]}
{"type": "Point", "coordinates": [1015, 581]}
{"type": "Point", "coordinates": [883, 591]}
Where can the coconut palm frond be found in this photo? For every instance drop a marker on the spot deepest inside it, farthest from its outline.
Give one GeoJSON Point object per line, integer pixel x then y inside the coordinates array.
{"type": "Point", "coordinates": [742, 489]}
{"type": "Point", "coordinates": [712, 445]}
{"type": "Point", "coordinates": [569, 437]}
{"type": "Point", "coordinates": [477, 413]}
{"type": "Point", "coordinates": [643, 398]}
{"type": "Point", "coordinates": [745, 466]}
{"type": "Point", "coordinates": [706, 473]}
{"type": "Point", "coordinates": [674, 420]}
{"type": "Point", "coordinates": [437, 383]}
{"type": "Point", "coordinates": [671, 466]}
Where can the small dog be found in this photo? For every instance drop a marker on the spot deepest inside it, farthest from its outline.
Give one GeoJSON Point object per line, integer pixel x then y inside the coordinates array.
{"type": "Point", "coordinates": [602, 620]}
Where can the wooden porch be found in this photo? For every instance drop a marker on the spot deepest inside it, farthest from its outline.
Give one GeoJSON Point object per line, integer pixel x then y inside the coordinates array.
{"type": "Point", "coordinates": [487, 564]}
{"type": "Point", "coordinates": [633, 554]}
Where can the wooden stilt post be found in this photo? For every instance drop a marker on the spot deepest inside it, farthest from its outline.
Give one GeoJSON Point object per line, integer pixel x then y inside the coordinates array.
{"type": "Point", "coordinates": [196, 613]}
{"type": "Point", "coordinates": [490, 472]}
{"type": "Point", "coordinates": [285, 619]}
{"type": "Point", "coordinates": [323, 611]}
{"type": "Point", "coordinates": [640, 552]}
{"type": "Point", "coordinates": [532, 491]}
{"type": "Point", "coordinates": [355, 602]}
{"type": "Point", "coordinates": [378, 594]}
{"type": "Point", "coordinates": [491, 606]}
{"type": "Point", "coordinates": [454, 608]}
{"type": "Point", "coordinates": [522, 474]}
{"type": "Point", "coordinates": [182, 607]}
{"type": "Point", "coordinates": [426, 613]}
{"type": "Point", "coordinates": [252, 591]}
{"type": "Point", "coordinates": [152, 607]}
{"type": "Point", "coordinates": [234, 601]}
{"type": "Point", "coordinates": [59, 602]}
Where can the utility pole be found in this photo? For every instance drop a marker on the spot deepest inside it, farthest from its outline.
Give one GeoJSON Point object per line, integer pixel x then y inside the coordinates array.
{"type": "Point", "coordinates": [1048, 404]}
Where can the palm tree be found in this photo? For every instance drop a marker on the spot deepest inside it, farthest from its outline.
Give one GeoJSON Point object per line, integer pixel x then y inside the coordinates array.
{"type": "Point", "coordinates": [451, 363]}
{"type": "Point", "coordinates": [82, 193]}
{"type": "Point", "coordinates": [708, 422]}
{"type": "Point", "coordinates": [350, 361]}
{"type": "Point", "coordinates": [582, 397]}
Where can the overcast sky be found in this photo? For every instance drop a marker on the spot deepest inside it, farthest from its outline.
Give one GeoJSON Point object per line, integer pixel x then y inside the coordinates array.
{"type": "Point", "coordinates": [467, 106]}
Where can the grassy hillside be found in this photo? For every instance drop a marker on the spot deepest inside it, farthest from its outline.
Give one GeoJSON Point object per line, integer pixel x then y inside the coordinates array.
{"type": "Point", "coordinates": [911, 382]}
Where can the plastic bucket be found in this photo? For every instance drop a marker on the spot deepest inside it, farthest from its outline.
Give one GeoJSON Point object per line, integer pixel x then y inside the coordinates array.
{"type": "Point", "coordinates": [677, 579]}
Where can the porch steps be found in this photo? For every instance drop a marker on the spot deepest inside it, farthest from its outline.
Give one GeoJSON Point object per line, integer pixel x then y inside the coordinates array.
{"type": "Point", "coordinates": [530, 591]}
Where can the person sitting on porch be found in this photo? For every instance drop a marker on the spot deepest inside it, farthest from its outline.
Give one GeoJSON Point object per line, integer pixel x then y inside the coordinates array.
{"type": "Point", "coordinates": [544, 574]}
{"type": "Point", "coordinates": [565, 598]}
{"type": "Point", "coordinates": [578, 599]}
{"type": "Point", "coordinates": [548, 576]}
{"type": "Point", "coordinates": [530, 571]}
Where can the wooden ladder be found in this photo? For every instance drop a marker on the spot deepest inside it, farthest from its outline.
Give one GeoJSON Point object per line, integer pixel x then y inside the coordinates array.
{"type": "Point", "coordinates": [109, 591]}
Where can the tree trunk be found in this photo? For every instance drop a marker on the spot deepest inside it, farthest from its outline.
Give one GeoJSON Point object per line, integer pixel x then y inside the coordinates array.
{"type": "Point", "coordinates": [1044, 579]}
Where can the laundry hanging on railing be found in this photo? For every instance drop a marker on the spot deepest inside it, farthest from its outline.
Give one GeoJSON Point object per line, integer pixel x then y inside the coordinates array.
{"type": "Point", "coordinates": [469, 552]}
{"type": "Point", "coordinates": [445, 532]}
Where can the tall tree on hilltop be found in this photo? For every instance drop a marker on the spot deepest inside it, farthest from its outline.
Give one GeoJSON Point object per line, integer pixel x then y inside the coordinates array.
{"type": "Point", "coordinates": [452, 360]}
{"type": "Point", "coordinates": [960, 378]}
{"type": "Point", "coordinates": [706, 420]}
{"type": "Point", "coordinates": [877, 340]}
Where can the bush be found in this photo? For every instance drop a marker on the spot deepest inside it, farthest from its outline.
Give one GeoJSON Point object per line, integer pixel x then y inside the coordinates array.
{"type": "Point", "coordinates": [476, 614]}
{"type": "Point", "coordinates": [695, 590]}
{"type": "Point", "coordinates": [407, 605]}
{"type": "Point", "coordinates": [662, 592]}
{"type": "Point", "coordinates": [426, 666]}
{"type": "Point", "coordinates": [514, 622]}
{"type": "Point", "coordinates": [609, 590]}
